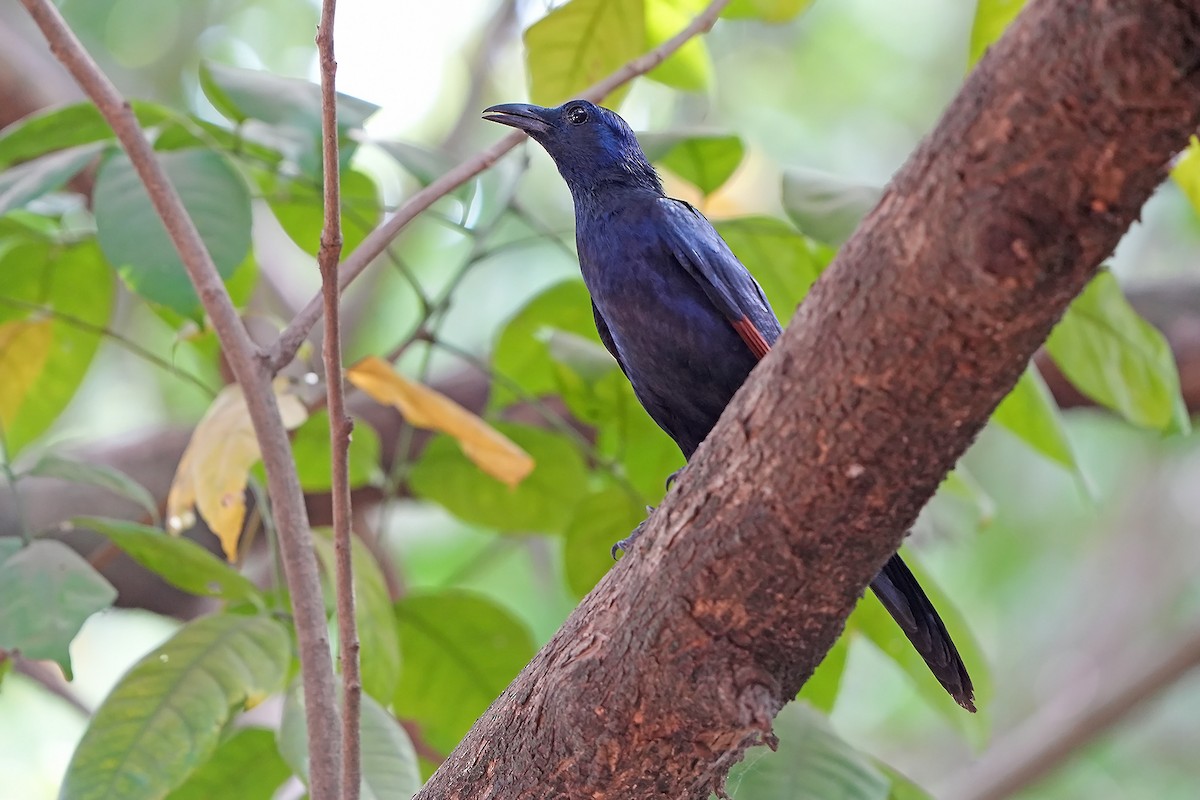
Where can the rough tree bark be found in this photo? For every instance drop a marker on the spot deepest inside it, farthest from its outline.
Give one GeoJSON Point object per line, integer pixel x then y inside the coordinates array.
{"type": "Point", "coordinates": [684, 653]}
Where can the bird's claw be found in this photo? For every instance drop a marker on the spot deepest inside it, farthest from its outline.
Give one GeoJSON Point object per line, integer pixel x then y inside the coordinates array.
{"type": "Point", "coordinates": [674, 476]}
{"type": "Point", "coordinates": [624, 544]}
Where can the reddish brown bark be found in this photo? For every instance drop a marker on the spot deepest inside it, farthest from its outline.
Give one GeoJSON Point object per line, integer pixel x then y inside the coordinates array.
{"type": "Point", "coordinates": [682, 656]}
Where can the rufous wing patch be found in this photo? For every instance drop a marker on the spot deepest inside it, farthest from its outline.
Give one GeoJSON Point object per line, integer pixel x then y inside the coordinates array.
{"type": "Point", "coordinates": [752, 337]}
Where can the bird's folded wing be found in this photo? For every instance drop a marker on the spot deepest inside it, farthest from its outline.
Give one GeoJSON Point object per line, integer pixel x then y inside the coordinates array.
{"type": "Point", "coordinates": [727, 284]}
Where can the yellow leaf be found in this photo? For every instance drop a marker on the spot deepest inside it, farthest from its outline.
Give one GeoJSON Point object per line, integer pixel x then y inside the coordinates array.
{"type": "Point", "coordinates": [24, 348]}
{"type": "Point", "coordinates": [214, 468]}
{"type": "Point", "coordinates": [423, 407]}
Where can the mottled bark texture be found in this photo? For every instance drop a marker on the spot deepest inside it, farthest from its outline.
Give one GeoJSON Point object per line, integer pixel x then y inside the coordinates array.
{"type": "Point", "coordinates": [682, 656]}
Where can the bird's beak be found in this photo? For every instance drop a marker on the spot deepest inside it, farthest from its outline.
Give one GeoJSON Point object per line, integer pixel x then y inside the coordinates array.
{"type": "Point", "coordinates": [529, 118]}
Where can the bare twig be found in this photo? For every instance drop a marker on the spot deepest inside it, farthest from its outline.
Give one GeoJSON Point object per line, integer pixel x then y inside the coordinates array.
{"type": "Point", "coordinates": [340, 423]}
{"type": "Point", "coordinates": [290, 340]}
{"type": "Point", "coordinates": [252, 372]}
{"type": "Point", "coordinates": [1046, 740]}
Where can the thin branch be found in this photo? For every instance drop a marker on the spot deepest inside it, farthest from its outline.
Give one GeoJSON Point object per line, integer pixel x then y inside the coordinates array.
{"type": "Point", "coordinates": [340, 423]}
{"type": "Point", "coordinates": [252, 372]}
{"type": "Point", "coordinates": [1045, 741]}
{"type": "Point", "coordinates": [290, 340]}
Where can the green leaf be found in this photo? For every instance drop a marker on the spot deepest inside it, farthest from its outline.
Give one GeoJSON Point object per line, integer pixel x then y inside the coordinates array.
{"type": "Point", "coordinates": [821, 689]}
{"type": "Point", "coordinates": [688, 68]}
{"type": "Point", "coordinates": [310, 451]}
{"type": "Point", "coordinates": [389, 761]}
{"type": "Point", "coordinates": [1029, 411]}
{"type": "Point", "coordinates": [180, 562]}
{"type": "Point", "coordinates": [241, 94]}
{"type": "Point", "coordinates": [872, 621]}
{"type": "Point", "coordinates": [165, 716]}
{"type": "Point", "coordinates": [23, 184]}
{"type": "Point", "coordinates": [422, 163]}
{"type": "Point", "coordinates": [46, 592]}
{"type": "Point", "coordinates": [811, 763]}
{"type": "Point", "coordinates": [587, 359]}
{"type": "Point", "coordinates": [1186, 173]}
{"type": "Point", "coordinates": [461, 651]}
{"type": "Point", "coordinates": [135, 241]}
{"type": "Point", "coordinates": [902, 787]}
{"type": "Point", "coordinates": [785, 263]}
{"type": "Point", "coordinates": [579, 43]}
{"type": "Point", "coordinates": [66, 280]}
{"type": "Point", "coordinates": [991, 19]}
{"type": "Point", "coordinates": [962, 486]}
{"type": "Point", "coordinates": [826, 207]}
{"type": "Point", "coordinates": [100, 475]}
{"type": "Point", "coordinates": [300, 209]}
{"type": "Point", "coordinates": [522, 350]}
{"type": "Point", "coordinates": [600, 521]}
{"type": "Point", "coordinates": [543, 502]}
{"type": "Point", "coordinates": [1118, 359]}
{"type": "Point", "coordinates": [377, 636]}
{"type": "Point", "coordinates": [246, 766]}
{"type": "Point", "coordinates": [64, 127]}
{"type": "Point", "coordinates": [765, 10]}
{"type": "Point", "coordinates": [704, 160]}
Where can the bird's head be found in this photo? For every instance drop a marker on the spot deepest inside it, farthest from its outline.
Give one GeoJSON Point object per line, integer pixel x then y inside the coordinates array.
{"type": "Point", "coordinates": [592, 146]}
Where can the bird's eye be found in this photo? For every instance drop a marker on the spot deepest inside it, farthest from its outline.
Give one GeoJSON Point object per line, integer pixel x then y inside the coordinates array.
{"type": "Point", "coordinates": [577, 115]}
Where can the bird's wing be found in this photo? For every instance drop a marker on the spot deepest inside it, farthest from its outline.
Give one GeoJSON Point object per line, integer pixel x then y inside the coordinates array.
{"type": "Point", "coordinates": [703, 253]}
{"type": "Point", "coordinates": [606, 338]}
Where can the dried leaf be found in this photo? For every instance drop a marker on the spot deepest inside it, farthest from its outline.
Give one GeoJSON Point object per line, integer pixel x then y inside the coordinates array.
{"type": "Point", "coordinates": [423, 407]}
{"type": "Point", "coordinates": [24, 348]}
{"type": "Point", "coordinates": [214, 468]}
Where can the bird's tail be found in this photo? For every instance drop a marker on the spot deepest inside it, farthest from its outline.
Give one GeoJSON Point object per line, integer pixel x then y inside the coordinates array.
{"type": "Point", "coordinates": [904, 599]}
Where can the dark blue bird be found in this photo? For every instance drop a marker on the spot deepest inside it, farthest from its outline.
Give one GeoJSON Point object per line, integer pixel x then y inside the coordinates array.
{"type": "Point", "coordinates": [683, 318]}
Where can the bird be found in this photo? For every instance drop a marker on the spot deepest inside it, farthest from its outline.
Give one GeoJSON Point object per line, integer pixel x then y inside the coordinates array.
{"type": "Point", "coordinates": [681, 315]}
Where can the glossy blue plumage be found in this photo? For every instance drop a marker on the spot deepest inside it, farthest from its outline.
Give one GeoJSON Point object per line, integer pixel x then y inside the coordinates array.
{"type": "Point", "coordinates": [681, 315]}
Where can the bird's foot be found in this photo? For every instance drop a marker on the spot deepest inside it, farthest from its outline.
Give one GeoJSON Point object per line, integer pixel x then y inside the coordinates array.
{"type": "Point", "coordinates": [624, 545]}
{"type": "Point", "coordinates": [674, 476]}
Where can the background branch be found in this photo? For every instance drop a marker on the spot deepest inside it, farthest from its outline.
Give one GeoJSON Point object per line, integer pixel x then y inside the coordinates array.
{"type": "Point", "coordinates": [683, 654]}
{"type": "Point", "coordinates": [340, 423]}
{"type": "Point", "coordinates": [1046, 740]}
{"type": "Point", "coordinates": [252, 374]}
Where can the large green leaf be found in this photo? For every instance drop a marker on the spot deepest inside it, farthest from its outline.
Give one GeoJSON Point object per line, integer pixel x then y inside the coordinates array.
{"type": "Point", "coordinates": [313, 457]}
{"type": "Point", "coordinates": [821, 689]}
{"type": "Point", "coordinates": [63, 127]}
{"type": "Point", "coordinates": [46, 592]}
{"type": "Point", "coordinates": [705, 160]}
{"type": "Point", "coordinates": [180, 562]}
{"type": "Point", "coordinates": [522, 351]}
{"type": "Point", "coordinates": [135, 241]}
{"type": "Point", "coordinates": [1186, 173]}
{"type": "Point", "coordinates": [689, 67]}
{"type": "Point", "coordinates": [785, 263]}
{"type": "Point", "coordinates": [104, 476]}
{"type": "Point", "coordinates": [31, 180]}
{"type": "Point", "coordinates": [579, 43]}
{"type": "Point", "coordinates": [543, 502]}
{"type": "Point", "coordinates": [765, 10]}
{"type": "Point", "coordinates": [824, 206]}
{"type": "Point", "coordinates": [1029, 411]}
{"type": "Point", "coordinates": [165, 716]}
{"type": "Point", "coordinates": [246, 766]}
{"type": "Point", "coordinates": [389, 761]}
{"type": "Point", "coordinates": [300, 208]}
{"type": "Point", "coordinates": [461, 651]}
{"type": "Point", "coordinates": [600, 521]}
{"type": "Point", "coordinates": [64, 280]}
{"type": "Point", "coordinates": [991, 19]}
{"type": "Point", "coordinates": [241, 94]}
{"type": "Point", "coordinates": [811, 763]}
{"type": "Point", "coordinates": [1118, 359]}
{"type": "Point", "coordinates": [379, 644]}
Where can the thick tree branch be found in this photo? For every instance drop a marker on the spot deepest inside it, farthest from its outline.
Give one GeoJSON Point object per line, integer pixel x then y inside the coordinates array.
{"type": "Point", "coordinates": [681, 657]}
{"type": "Point", "coordinates": [377, 241]}
{"type": "Point", "coordinates": [340, 423]}
{"type": "Point", "coordinates": [1075, 719]}
{"type": "Point", "coordinates": [255, 379]}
